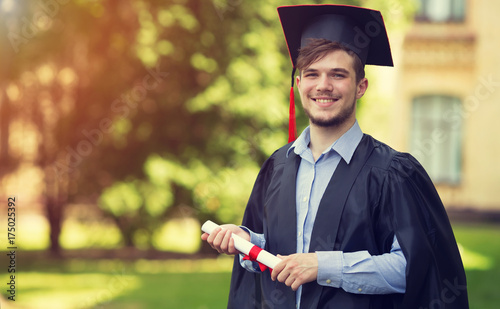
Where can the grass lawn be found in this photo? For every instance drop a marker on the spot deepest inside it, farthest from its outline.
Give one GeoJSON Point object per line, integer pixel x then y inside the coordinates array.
{"type": "Point", "coordinates": [190, 290]}
{"type": "Point", "coordinates": [203, 284]}
{"type": "Point", "coordinates": [109, 284]}
{"type": "Point", "coordinates": [483, 267]}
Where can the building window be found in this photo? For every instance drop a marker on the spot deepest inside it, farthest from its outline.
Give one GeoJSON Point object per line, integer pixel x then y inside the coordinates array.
{"type": "Point", "coordinates": [436, 136]}
{"type": "Point", "coordinates": [441, 11]}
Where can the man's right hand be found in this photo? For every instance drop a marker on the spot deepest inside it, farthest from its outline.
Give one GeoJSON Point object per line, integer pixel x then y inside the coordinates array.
{"type": "Point", "coordinates": [220, 238]}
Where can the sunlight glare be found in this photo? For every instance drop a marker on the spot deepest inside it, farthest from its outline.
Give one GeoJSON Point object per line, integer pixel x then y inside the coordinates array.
{"type": "Point", "coordinates": [178, 235]}
{"type": "Point", "coordinates": [45, 74]}
{"type": "Point", "coordinates": [67, 76]}
{"type": "Point", "coordinates": [13, 92]}
{"type": "Point", "coordinates": [474, 260]}
{"type": "Point", "coordinates": [7, 5]}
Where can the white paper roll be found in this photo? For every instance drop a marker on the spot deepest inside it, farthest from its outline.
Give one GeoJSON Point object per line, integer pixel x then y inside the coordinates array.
{"type": "Point", "coordinates": [244, 246]}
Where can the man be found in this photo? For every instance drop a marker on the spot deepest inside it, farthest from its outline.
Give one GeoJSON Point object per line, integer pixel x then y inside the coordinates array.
{"type": "Point", "coordinates": [356, 224]}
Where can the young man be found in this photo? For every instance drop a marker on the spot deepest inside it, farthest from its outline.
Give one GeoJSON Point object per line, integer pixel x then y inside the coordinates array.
{"type": "Point", "coordinates": [356, 224]}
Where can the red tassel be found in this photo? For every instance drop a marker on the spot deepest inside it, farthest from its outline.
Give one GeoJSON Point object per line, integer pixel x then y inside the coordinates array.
{"type": "Point", "coordinates": [292, 126]}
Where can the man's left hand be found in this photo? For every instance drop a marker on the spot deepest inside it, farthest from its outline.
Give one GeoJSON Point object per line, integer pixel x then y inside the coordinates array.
{"type": "Point", "coordinates": [296, 269]}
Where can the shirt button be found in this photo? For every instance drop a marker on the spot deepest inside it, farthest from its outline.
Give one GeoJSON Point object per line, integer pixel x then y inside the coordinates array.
{"type": "Point", "coordinates": [304, 199]}
{"type": "Point", "coordinates": [328, 281]}
{"type": "Point", "coordinates": [300, 234]}
{"type": "Point", "coordinates": [360, 289]}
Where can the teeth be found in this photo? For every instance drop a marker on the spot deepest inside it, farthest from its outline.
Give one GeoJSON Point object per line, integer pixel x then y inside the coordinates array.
{"type": "Point", "coordinates": [324, 101]}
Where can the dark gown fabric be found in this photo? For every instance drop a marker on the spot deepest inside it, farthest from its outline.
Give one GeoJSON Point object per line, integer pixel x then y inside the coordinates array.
{"type": "Point", "coordinates": [381, 193]}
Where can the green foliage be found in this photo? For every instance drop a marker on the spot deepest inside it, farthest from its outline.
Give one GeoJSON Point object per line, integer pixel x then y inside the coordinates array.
{"type": "Point", "coordinates": [121, 199]}
{"type": "Point", "coordinates": [151, 106]}
{"type": "Point", "coordinates": [178, 235]}
{"type": "Point", "coordinates": [90, 234]}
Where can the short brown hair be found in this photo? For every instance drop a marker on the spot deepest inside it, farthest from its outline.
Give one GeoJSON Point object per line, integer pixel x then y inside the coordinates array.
{"type": "Point", "coordinates": [319, 48]}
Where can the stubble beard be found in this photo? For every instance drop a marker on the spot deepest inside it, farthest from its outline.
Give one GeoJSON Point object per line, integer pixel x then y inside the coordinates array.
{"type": "Point", "coordinates": [334, 121]}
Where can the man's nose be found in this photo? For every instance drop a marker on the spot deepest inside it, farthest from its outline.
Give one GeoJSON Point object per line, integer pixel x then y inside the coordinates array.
{"type": "Point", "coordinates": [324, 84]}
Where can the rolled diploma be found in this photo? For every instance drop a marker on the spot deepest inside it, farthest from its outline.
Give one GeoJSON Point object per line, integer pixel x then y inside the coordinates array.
{"type": "Point", "coordinates": [244, 246]}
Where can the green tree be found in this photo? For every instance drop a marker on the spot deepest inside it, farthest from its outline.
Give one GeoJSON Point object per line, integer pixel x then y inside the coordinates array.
{"type": "Point", "coordinates": [141, 107]}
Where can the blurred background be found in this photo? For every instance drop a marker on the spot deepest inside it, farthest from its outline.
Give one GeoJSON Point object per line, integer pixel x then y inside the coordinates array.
{"type": "Point", "coordinates": [124, 125]}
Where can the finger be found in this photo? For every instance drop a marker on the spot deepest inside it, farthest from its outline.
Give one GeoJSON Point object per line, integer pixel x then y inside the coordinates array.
{"type": "Point", "coordinates": [295, 285]}
{"type": "Point", "coordinates": [232, 249]}
{"type": "Point", "coordinates": [218, 239]}
{"type": "Point", "coordinates": [290, 280]}
{"type": "Point", "coordinates": [212, 235]}
{"type": "Point", "coordinates": [225, 241]}
{"type": "Point", "coordinates": [214, 239]}
{"type": "Point", "coordinates": [277, 270]}
{"type": "Point", "coordinates": [274, 274]}
{"type": "Point", "coordinates": [284, 257]}
{"type": "Point", "coordinates": [284, 273]}
{"type": "Point", "coordinates": [283, 276]}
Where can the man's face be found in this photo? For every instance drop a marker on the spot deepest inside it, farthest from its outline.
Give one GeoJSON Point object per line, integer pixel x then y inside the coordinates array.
{"type": "Point", "coordinates": [329, 91]}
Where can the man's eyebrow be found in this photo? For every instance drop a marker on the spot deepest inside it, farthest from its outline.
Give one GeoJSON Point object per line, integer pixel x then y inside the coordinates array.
{"type": "Point", "coordinates": [340, 70]}
{"type": "Point", "coordinates": [309, 70]}
{"type": "Point", "coordinates": [333, 70]}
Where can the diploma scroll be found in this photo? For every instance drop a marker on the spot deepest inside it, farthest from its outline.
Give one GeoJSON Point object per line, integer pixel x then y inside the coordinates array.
{"type": "Point", "coordinates": [246, 247]}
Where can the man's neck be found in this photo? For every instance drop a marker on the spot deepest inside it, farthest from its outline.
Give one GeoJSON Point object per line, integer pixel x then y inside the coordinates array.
{"type": "Point", "coordinates": [323, 137]}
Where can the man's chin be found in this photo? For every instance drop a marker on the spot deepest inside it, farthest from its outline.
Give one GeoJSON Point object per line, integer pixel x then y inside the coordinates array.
{"type": "Point", "coordinates": [330, 121]}
{"type": "Point", "coordinates": [325, 123]}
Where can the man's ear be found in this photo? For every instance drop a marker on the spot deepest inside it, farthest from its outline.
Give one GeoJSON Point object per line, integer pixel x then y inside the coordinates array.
{"type": "Point", "coordinates": [297, 80]}
{"type": "Point", "coordinates": [361, 88]}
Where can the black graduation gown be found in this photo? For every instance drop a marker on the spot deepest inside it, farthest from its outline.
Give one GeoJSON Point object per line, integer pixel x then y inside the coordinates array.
{"type": "Point", "coordinates": [380, 193]}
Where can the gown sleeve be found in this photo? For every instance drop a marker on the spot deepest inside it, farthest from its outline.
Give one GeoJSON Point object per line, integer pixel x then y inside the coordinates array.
{"type": "Point", "coordinates": [435, 276]}
{"type": "Point", "coordinates": [245, 290]}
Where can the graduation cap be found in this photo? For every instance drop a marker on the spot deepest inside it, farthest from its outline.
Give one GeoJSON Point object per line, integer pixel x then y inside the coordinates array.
{"type": "Point", "coordinates": [359, 29]}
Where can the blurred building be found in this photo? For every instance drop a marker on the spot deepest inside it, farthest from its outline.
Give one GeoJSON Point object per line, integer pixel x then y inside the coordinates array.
{"type": "Point", "coordinates": [447, 100]}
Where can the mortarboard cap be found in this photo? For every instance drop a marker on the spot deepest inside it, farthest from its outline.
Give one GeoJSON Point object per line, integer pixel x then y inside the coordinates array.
{"type": "Point", "coordinates": [359, 29]}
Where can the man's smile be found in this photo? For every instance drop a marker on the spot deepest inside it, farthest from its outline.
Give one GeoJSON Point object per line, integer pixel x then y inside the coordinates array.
{"type": "Point", "coordinates": [324, 100]}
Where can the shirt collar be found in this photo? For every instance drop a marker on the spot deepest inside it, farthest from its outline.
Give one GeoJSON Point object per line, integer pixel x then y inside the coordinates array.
{"type": "Point", "coordinates": [344, 146]}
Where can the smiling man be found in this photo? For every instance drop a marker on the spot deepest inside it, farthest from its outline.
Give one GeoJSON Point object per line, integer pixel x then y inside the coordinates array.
{"type": "Point", "coordinates": [329, 88]}
{"type": "Point", "coordinates": [356, 223]}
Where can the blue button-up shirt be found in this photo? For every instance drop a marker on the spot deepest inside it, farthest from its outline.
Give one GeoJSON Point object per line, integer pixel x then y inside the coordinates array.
{"type": "Point", "coordinates": [355, 272]}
